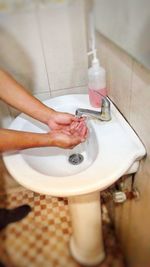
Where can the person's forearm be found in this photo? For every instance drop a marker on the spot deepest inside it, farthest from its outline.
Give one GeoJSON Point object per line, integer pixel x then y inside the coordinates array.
{"type": "Point", "coordinates": [15, 95]}
{"type": "Point", "coordinates": [11, 140]}
{"type": "Point", "coordinates": [15, 140]}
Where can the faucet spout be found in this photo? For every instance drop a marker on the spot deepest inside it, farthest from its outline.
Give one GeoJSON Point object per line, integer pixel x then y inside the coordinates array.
{"type": "Point", "coordinates": [103, 115]}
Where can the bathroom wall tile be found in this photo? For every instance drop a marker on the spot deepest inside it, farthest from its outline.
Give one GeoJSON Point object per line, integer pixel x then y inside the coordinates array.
{"type": "Point", "coordinates": [119, 73]}
{"type": "Point", "coordinates": [16, 5]}
{"type": "Point", "coordinates": [5, 116]}
{"type": "Point", "coordinates": [120, 77]}
{"type": "Point", "coordinates": [21, 52]}
{"type": "Point", "coordinates": [102, 46]}
{"type": "Point", "coordinates": [64, 44]}
{"type": "Point", "coordinates": [68, 79]}
{"type": "Point", "coordinates": [129, 88]}
{"type": "Point", "coordinates": [130, 226]}
{"type": "Point", "coordinates": [140, 103]}
{"type": "Point", "coordinates": [43, 96]}
{"type": "Point", "coordinates": [75, 90]}
{"type": "Point", "coordinates": [137, 239]}
{"type": "Point", "coordinates": [139, 119]}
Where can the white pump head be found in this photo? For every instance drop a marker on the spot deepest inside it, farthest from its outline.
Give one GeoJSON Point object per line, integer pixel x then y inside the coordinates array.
{"type": "Point", "coordinates": [95, 61]}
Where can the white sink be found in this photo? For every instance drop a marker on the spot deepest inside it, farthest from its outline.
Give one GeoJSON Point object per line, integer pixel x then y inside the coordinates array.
{"type": "Point", "coordinates": [112, 150]}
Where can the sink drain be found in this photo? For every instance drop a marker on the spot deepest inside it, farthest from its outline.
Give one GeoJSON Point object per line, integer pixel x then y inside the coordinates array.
{"type": "Point", "coordinates": [75, 159]}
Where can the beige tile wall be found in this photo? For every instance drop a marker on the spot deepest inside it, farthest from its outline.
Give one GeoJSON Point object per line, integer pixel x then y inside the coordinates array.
{"type": "Point", "coordinates": [64, 45]}
{"type": "Point", "coordinates": [119, 73]}
{"type": "Point", "coordinates": [21, 51]}
{"type": "Point", "coordinates": [129, 87]}
{"type": "Point", "coordinates": [43, 45]}
{"type": "Point", "coordinates": [5, 116]}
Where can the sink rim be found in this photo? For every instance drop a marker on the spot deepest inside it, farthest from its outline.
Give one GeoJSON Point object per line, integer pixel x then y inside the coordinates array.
{"type": "Point", "coordinates": [75, 184]}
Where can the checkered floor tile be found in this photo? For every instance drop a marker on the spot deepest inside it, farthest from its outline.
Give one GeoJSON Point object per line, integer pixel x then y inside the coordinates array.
{"type": "Point", "coordinates": [42, 238]}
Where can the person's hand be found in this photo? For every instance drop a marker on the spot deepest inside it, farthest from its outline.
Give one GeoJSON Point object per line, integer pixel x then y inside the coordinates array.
{"type": "Point", "coordinates": [68, 124]}
{"type": "Point", "coordinates": [63, 140]}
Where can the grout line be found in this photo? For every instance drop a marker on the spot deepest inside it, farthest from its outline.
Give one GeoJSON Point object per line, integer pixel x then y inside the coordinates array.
{"type": "Point", "coordinates": [69, 88]}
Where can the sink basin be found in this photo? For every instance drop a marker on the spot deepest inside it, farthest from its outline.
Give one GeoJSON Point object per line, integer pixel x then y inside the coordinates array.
{"type": "Point", "coordinates": [111, 150]}
{"type": "Point", "coordinates": [46, 160]}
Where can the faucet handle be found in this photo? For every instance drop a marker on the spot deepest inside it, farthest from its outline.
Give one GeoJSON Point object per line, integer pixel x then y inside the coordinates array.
{"type": "Point", "coordinates": [105, 109]}
{"type": "Point", "coordinates": [105, 102]}
{"type": "Point", "coordinates": [103, 114]}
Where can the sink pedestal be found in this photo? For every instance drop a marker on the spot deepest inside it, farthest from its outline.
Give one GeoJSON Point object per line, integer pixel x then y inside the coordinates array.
{"type": "Point", "coordinates": [86, 243]}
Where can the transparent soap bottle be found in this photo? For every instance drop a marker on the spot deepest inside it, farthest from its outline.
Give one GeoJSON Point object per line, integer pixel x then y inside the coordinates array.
{"type": "Point", "coordinates": [96, 82]}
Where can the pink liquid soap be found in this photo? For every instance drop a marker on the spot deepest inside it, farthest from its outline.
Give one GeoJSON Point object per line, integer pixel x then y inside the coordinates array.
{"type": "Point", "coordinates": [96, 96]}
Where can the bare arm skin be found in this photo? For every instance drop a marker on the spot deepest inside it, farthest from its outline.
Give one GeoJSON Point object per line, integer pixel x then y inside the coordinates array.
{"type": "Point", "coordinates": [67, 131]}
{"type": "Point", "coordinates": [11, 140]}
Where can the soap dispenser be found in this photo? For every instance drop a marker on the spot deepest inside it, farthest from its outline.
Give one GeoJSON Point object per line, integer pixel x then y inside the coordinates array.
{"type": "Point", "coordinates": [96, 81]}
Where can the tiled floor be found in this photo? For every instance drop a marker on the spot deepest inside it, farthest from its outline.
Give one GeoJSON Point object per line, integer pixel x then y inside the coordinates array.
{"type": "Point", "coordinates": [42, 238]}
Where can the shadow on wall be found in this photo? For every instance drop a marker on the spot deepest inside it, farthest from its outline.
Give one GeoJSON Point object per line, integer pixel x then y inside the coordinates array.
{"type": "Point", "coordinates": [14, 59]}
{"type": "Point", "coordinates": [143, 48]}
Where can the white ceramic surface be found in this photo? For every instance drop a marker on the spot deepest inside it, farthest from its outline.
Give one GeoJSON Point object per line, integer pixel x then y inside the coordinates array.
{"type": "Point", "coordinates": [112, 150]}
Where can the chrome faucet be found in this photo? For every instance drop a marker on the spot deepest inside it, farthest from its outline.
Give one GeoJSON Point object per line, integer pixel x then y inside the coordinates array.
{"type": "Point", "coordinates": [103, 115]}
